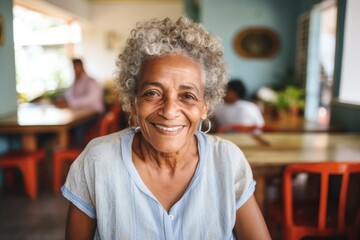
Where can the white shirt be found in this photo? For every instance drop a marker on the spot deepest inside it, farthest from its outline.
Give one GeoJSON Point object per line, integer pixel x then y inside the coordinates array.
{"type": "Point", "coordinates": [103, 183]}
{"type": "Point", "coordinates": [85, 93]}
{"type": "Point", "coordinates": [241, 112]}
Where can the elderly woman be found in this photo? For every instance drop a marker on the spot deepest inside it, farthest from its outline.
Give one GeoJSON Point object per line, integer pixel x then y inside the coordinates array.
{"type": "Point", "coordinates": [164, 178]}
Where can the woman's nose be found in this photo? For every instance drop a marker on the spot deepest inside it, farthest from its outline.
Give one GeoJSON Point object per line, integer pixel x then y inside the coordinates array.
{"type": "Point", "coordinates": [170, 108]}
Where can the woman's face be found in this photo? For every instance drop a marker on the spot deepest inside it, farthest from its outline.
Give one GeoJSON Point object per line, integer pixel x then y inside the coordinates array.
{"type": "Point", "coordinates": [170, 102]}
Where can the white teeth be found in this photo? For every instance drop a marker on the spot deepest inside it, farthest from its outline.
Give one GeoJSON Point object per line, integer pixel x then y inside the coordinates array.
{"type": "Point", "coordinates": [170, 129]}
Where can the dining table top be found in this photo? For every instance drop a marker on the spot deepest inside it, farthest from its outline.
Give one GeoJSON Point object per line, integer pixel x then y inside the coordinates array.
{"type": "Point", "coordinates": [281, 149]}
{"type": "Point", "coordinates": [43, 117]}
{"type": "Point", "coordinates": [32, 119]}
{"type": "Point", "coordinates": [297, 124]}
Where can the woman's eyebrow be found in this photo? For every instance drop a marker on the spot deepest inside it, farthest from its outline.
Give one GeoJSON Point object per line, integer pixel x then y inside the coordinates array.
{"type": "Point", "coordinates": [182, 87]}
{"type": "Point", "coordinates": [190, 87]}
{"type": "Point", "coordinates": [146, 84]}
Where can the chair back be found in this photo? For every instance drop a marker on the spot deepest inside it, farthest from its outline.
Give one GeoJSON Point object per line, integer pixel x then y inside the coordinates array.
{"type": "Point", "coordinates": [324, 170]}
{"type": "Point", "coordinates": [108, 124]}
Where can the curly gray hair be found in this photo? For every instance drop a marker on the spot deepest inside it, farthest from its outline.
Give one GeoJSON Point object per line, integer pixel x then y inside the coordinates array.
{"type": "Point", "coordinates": [160, 37]}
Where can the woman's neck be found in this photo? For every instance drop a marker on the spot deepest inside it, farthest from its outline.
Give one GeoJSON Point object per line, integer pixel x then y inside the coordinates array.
{"type": "Point", "coordinates": [158, 160]}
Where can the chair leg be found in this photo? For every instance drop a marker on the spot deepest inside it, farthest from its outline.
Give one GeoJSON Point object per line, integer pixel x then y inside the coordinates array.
{"type": "Point", "coordinates": [29, 171]}
{"type": "Point", "coordinates": [46, 177]}
{"type": "Point", "coordinates": [272, 224]}
{"type": "Point", "coordinates": [354, 232]}
{"type": "Point", "coordinates": [287, 234]}
{"type": "Point", "coordinates": [293, 234]}
{"type": "Point", "coordinates": [9, 177]}
{"type": "Point", "coordinates": [57, 170]}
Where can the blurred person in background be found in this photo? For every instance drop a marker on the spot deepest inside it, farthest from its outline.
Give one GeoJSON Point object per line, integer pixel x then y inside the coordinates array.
{"type": "Point", "coordinates": [236, 110]}
{"type": "Point", "coordinates": [85, 92]}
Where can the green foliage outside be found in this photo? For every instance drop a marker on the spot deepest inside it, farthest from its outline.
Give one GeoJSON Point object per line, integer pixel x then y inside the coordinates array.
{"type": "Point", "coordinates": [290, 93]}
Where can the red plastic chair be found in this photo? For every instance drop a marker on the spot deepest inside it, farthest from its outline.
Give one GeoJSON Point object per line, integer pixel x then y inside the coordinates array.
{"type": "Point", "coordinates": [27, 163]}
{"type": "Point", "coordinates": [108, 124]}
{"type": "Point", "coordinates": [318, 219]}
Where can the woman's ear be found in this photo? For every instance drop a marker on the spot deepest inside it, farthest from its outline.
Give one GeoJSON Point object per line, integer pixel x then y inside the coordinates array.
{"type": "Point", "coordinates": [132, 113]}
{"type": "Point", "coordinates": [205, 111]}
{"type": "Point", "coordinates": [133, 107]}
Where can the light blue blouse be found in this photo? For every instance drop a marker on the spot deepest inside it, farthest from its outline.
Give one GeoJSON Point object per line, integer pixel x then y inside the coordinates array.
{"type": "Point", "coordinates": [104, 183]}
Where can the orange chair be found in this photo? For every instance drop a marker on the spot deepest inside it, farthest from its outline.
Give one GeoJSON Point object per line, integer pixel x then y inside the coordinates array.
{"type": "Point", "coordinates": [27, 163]}
{"type": "Point", "coordinates": [237, 128]}
{"type": "Point", "coordinates": [324, 218]}
{"type": "Point", "coordinates": [108, 124]}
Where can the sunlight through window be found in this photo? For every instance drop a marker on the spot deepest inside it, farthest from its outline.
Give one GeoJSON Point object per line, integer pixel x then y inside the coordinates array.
{"type": "Point", "coordinates": [44, 46]}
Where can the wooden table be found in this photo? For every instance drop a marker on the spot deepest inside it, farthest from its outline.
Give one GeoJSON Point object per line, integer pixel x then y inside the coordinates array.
{"type": "Point", "coordinates": [32, 119]}
{"type": "Point", "coordinates": [269, 153]}
{"type": "Point", "coordinates": [296, 124]}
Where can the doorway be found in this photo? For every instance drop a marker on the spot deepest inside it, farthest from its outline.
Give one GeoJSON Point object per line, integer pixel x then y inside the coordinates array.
{"type": "Point", "coordinates": [320, 61]}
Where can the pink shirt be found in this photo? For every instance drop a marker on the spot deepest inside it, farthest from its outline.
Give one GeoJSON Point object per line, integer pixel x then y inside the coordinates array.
{"type": "Point", "coordinates": [85, 93]}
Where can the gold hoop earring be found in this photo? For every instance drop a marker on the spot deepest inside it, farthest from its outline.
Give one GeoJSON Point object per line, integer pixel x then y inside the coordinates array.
{"type": "Point", "coordinates": [209, 126]}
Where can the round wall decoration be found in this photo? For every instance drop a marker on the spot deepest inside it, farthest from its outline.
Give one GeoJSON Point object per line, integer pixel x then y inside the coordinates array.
{"type": "Point", "coordinates": [256, 43]}
{"type": "Point", "coordinates": [2, 31]}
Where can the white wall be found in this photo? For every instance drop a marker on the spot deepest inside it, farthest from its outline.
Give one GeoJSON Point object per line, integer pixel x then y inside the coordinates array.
{"type": "Point", "coordinates": [350, 70]}
{"type": "Point", "coordinates": [118, 18]}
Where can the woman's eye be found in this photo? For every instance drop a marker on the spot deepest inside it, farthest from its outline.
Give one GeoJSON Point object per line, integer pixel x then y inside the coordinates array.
{"type": "Point", "coordinates": [151, 94]}
{"type": "Point", "coordinates": [188, 96]}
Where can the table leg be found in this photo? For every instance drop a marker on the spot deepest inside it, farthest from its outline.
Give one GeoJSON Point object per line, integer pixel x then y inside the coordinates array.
{"type": "Point", "coordinates": [28, 142]}
{"type": "Point", "coordinates": [63, 138]}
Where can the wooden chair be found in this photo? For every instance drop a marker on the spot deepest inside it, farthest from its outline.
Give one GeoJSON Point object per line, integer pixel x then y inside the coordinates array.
{"type": "Point", "coordinates": [27, 163]}
{"type": "Point", "coordinates": [325, 217]}
{"type": "Point", "coordinates": [108, 124]}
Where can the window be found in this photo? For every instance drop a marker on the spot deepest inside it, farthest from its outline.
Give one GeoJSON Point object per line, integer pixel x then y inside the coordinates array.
{"type": "Point", "coordinates": [350, 84]}
{"type": "Point", "coordinates": [320, 60]}
{"type": "Point", "coordinates": [44, 46]}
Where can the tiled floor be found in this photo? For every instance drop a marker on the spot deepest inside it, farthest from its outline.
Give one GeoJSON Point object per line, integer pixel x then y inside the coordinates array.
{"type": "Point", "coordinates": [25, 219]}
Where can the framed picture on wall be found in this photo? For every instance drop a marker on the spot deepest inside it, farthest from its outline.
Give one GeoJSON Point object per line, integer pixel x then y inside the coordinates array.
{"type": "Point", "coordinates": [2, 31]}
{"type": "Point", "coordinates": [256, 43]}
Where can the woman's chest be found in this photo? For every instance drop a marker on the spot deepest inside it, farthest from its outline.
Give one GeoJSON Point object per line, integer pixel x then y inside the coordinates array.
{"type": "Point", "coordinates": [167, 188]}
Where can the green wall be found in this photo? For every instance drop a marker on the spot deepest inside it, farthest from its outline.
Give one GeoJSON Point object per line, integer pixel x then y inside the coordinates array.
{"type": "Point", "coordinates": [192, 9]}
{"type": "Point", "coordinates": [346, 116]}
{"type": "Point", "coordinates": [8, 94]}
{"type": "Point", "coordinates": [227, 17]}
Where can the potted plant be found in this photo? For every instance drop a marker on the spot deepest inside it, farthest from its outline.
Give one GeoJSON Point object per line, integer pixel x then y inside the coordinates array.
{"type": "Point", "coordinates": [291, 99]}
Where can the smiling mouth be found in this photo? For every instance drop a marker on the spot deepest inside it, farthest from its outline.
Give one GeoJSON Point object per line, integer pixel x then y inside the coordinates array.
{"type": "Point", "coordinates": [169, 129]}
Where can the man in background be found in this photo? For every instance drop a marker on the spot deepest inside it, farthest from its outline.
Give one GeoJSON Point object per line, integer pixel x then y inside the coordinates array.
{"type": "Point", "coordinates": [85, 92]}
